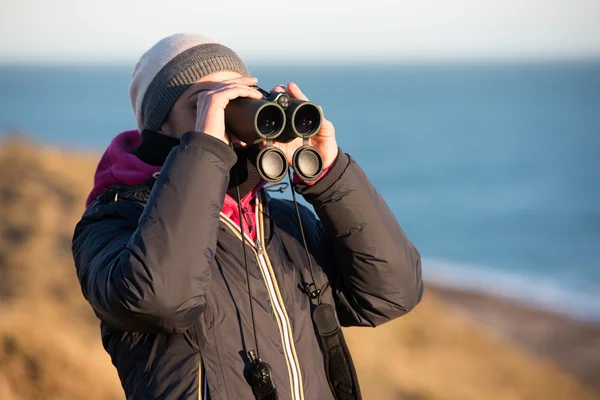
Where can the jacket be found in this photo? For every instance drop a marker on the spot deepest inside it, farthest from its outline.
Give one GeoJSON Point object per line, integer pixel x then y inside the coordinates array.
{"type": "Point", "coordinates": [162, 265]}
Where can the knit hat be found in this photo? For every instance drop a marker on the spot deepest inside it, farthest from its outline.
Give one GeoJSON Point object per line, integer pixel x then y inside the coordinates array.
{"type": "Point", "coordinates": [171, 66]}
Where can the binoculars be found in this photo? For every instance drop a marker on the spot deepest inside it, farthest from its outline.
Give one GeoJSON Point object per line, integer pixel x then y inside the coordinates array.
{"type": "Point", "coordinates": [277, 118]}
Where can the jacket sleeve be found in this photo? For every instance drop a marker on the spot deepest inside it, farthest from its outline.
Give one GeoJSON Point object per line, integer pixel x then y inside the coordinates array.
{"type": "Point", "coordinates": [376, 273]}
{"type": "Point", "coordinates": [151, 275]}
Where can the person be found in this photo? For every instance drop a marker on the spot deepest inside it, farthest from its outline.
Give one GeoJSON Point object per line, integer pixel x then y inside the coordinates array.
{"type": "Point", "coordinates": [160, 256]}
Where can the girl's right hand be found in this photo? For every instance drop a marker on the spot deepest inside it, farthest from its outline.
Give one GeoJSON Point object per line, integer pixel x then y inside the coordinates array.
{"type": "Point", "coordinates": [210, 114]}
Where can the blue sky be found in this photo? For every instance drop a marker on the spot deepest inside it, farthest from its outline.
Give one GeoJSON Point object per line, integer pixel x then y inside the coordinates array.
{"type": "Point", "coordinates": [118, 31]}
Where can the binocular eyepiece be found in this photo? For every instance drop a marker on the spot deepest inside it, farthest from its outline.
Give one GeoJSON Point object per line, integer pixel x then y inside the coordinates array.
{"type": "Point", "coordinates": [278, 118]}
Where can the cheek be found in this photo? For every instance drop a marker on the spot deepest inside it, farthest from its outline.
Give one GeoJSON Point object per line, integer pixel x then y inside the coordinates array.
{"type": "Point", "coordinates": [183, 121]}
{"type": "Point", "coordinates": [190, 120]}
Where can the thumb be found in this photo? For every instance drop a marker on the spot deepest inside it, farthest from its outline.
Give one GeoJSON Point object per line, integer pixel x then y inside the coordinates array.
{"type": "Point", "coordinates": [296, 92]}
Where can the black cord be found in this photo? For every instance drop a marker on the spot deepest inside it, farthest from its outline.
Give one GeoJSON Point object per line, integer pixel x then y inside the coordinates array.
{"type": "Point", "coordinates": [262, 91]}
{"type": "Point", "coordinates": [322, 291]}
{"type": "Point", "coordinates": [239, 201]}
{"type": "Point", "coordinates": [277, 187]}
{"type": "Point", "coordinates": [311, 293]}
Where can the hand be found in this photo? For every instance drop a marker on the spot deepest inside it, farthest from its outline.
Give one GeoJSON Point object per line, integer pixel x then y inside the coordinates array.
{"type": "Point", "coordinates": [210, 114]}
{"type": "Point", "coordinates": [324, 141]}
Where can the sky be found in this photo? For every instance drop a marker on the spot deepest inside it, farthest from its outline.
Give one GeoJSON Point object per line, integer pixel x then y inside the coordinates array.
{"type": "Point", "coordinates": [307, 31]}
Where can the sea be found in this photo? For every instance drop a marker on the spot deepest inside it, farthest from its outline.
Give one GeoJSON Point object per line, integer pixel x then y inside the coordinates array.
{"type": "Point", "coordinates": [492, 169]}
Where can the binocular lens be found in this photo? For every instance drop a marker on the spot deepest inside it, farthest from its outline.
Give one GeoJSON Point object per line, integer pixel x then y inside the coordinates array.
{"type": "Point", "coordinates": [271, 164]}
{"type": "Point", "coordinates": [307, 119]}
{"type": "Point", "coordinates": [307, 163]}
{"type": "Point", "coordinates": [270, 120]}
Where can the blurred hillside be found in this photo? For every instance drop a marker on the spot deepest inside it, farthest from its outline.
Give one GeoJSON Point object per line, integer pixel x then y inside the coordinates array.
{"type": "Point", "coordinates": [50, 346]}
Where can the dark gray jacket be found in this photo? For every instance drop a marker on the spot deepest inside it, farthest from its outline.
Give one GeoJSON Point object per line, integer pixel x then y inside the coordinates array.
{"type": "Point", "coordinates": [164, 271]}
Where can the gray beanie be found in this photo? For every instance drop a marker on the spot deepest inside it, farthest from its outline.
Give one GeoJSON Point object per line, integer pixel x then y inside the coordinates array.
{"type": "Point", "coordinates": [171, 66]}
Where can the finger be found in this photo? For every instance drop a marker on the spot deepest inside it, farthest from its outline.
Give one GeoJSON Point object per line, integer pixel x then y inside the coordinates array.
{"type": "Point", "coordinates": [279, 89]}
{"type": "Point", "coordinates": [296, 92]}
{"type": "Point", "coordinates": [243, 80]}
{"type": "Point", "coordinates": [223, 96]}
{"type": "Point", "coordinates": [233, 86]}
{"type": "Point", "coordinates": [241, 91]}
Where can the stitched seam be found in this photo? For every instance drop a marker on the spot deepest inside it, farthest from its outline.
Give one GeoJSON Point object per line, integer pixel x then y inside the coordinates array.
{"type": "Point", "coordinates": [220, 366]}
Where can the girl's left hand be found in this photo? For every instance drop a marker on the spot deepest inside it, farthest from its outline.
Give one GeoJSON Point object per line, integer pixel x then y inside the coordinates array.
{"type": "Point", "coordinates": [324, 141]}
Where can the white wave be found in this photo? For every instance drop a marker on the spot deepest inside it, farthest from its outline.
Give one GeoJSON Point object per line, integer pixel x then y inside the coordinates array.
{"type": "Point", "coordinates": [539, 291]}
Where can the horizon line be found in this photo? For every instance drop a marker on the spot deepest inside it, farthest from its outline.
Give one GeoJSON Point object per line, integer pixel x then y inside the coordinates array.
{"type": "Point", "coordinates": [328, 63]}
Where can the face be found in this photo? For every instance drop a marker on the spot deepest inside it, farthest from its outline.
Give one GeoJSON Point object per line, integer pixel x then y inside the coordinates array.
{"type": "Point", "coordinates": [182, 117]}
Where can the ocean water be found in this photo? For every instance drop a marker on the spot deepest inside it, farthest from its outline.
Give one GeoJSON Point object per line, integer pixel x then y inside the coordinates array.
{"type": "Point", "coordinates": [493, 170]}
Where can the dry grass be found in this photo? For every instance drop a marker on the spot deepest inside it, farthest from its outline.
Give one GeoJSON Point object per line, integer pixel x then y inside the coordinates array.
{"type": "Point", "coordinates": [434, 353]}
{"type": "Point", "coordinates": [43, 355]}
{"type": "Point", "coordinates": [50, 347]}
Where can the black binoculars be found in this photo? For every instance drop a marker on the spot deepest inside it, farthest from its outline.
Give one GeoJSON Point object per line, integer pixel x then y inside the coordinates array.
{"type": "Point", "coordinates": [277, 118]}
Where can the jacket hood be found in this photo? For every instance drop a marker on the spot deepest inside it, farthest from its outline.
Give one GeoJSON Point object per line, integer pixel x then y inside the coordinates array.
{"type": "Point", "coordinates": [118, 166]}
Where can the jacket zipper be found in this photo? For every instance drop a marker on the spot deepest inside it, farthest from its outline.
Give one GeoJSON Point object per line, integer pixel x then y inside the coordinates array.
{"type": "Point", "coordinates": [277, 305]}
{"type": "Point", "coordinates": [202, 382]}
{"type": "Point", "coordinates": [297, 389]}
